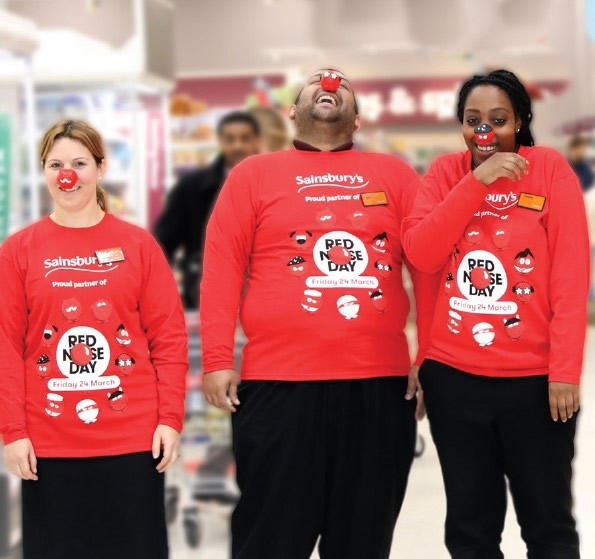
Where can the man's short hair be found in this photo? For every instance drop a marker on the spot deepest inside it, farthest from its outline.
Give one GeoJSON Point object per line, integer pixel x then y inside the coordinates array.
{"type": "Point", "coordinates": [241, 117]}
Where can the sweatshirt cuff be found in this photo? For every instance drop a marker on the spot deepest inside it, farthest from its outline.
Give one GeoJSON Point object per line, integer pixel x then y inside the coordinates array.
{"type": "Point", "coordinates": [217, 366]}
{"type": "Point", "coordinates": [561, 377]}
{"type": "Point", "coordinates": [14, 433]}
{"type": "Point", "coordinates": [173, 423]}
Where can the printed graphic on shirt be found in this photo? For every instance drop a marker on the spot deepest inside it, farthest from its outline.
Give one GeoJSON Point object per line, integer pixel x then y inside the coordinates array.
{"type": "Point", "coordinates": [448, 283]}
{"type": "Point", "coordinates": [87, 410]}
{"type": "Point", "coordinates": [359, 220]}
{"type": "Point", "coordinates": [326, 218]}
{"type": "Point", "coordinates": [54, 405]}
{"type": "Point", "coordinates": [83, 356]}
{"type": "Point", "coordinates": [501, 236]}
{"type": "Point", "coordinates": [380, 243]}
{"type": "Point", "coordinates": [378, 300]}
{"type": "Point", "coordinates": [125, 363]}
{"type": "Point", "coordinates": [524, 262]}
{"type": "Point", "coordinates": [342, 258]}
{"type": "Point", "coordinates": [118, 400]}
{"type": "Point", "coordinates": [298, 266]}
{"type": "Point", "coordinates": [514, 327]}
{"type": "Point", "coordinates": [348, 306]}
{"type": "Point", "coordinates": [482, 281]}
{"type": "Point", "coordinates": [454, 322]}
{"type": "Point", "coordinates": [44, 367]}
{"type": "Point", "coordinates": [343, 181]}
{"type": "Point", "coordinates": [312, 300]}
{"type": "Point", "coordinates": [102, 309]}
{"type": "Point", "coordinates": [71, 309]}
{"type": "Point", "coordinates": [484, 334]}
{"type": "Point", "coordinates": [88, 264]}
{"type": "Point", "coordinates": [49, 333]}
{"type": "Point", "coordinates": [523, 291]}
{"type": "Point", "coordinates": [301, 238]}
{"type": "Point", "coordinates": [502, 201]}
{"type": "Point", "coordinates": [474, 234]}
{"type": "Point", "coordinates": [122, 335]}
{"type": "Point", "coordinates": [384, 268]}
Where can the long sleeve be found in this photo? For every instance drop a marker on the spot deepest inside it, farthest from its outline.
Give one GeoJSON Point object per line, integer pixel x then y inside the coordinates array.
{"type": "Point", "coordinates": [168, 230]}
{"type": "Point", "coordinates": [439, 217]}
{"type": "Point", "coordinates": [228, 245]}
{"type": "Point", "coordinates": [162, 319]}
{"type": "Point", "coordinates": [568, 243]}
{"type": "Point", "coordinates": [13, 328]}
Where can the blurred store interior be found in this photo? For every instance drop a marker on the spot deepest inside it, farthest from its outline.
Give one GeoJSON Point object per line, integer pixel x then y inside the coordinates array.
{"type": "Point", "coordinates": [155, 76]}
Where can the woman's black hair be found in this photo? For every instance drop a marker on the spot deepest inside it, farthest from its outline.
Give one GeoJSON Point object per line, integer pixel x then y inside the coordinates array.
{"type": "Point", "coordinates": [516, 92]}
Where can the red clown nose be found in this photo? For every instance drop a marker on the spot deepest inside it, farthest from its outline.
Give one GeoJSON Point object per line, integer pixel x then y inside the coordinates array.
{"type": "Point", "coordinates": [484, 134]}
{"type": "Point", "coordinates": [330, 81]}
{"type": "Point", "coordinates": [67, 178]}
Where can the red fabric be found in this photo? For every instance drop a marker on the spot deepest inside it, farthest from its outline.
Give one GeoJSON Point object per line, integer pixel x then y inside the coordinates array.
{"type": "Point", "coordinates": [533, 317]}
{"type": "Point", "coordinates": [298, 326]}
{"type": "Point", "coordinates": [51, 281]}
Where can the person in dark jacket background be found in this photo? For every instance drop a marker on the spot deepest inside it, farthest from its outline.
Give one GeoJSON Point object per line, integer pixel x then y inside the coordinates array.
{"type": "Point", "coordinates": [191, 200]}
{"type": "Point", "coordinates": [577, 157]}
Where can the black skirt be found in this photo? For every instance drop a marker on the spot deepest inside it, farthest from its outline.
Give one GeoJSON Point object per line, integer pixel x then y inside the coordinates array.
{"type": "Point", "coordinates": [108, 507]}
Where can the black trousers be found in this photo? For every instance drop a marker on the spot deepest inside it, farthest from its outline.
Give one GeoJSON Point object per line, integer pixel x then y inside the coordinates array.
{"type": "Point", "coordinates": [326, 459]}
{"type": "Point", "coordinates": [95, 508]}
{"type": "Point", "coordinates": [489, 430]}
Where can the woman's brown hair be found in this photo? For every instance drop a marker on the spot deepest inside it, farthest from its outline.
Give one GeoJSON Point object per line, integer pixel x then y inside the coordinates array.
{"type": "Point", "coordinates": [84, 133]}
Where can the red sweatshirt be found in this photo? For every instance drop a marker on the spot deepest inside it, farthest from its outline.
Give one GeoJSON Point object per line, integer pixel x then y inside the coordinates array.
{"type": "Point", "coordinates": [317, 234]}
{"type": "Point", "coordinates": [93, 352]}
{"type": "Point", "coordinates": [515, 266]}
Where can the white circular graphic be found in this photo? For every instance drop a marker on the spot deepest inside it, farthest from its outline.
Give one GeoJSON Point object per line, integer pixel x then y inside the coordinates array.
{"type": "Point", "coordinates": [485, 261]}
{"type": "Point", "coordinates": [87, 339]}
{"type": "Point", "coordinates": [87, 411]}
{"type": "Point", "coordinates": [339, 253]}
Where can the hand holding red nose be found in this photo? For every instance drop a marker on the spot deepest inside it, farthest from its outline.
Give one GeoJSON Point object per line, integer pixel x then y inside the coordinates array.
{"type": "Point", "coordinates": [67, 178]}
{"type": "Point", "coordinates": [330, 81]}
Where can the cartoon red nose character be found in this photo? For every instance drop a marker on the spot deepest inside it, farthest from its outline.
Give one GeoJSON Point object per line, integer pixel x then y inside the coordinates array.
{"type": "Point", "coordinates": [339, 255]}
{"type": "Point", "coordinates": [44, 367]}
{"type": "Point", "coordinates": [384, 268]}
{"type": "Point", "coordinates": [448, 283]}
{"type": "Point", "coordinates": [524, 261]}
{"type": "Point", "coordinates": [359, 220]}
{"type": "Point", "coordinates": [454, 322]}
{"type": "Point", "coordinates": [474, 234]}
{"type": "Point", "coordinates": [312, 300]}
{"type": "Point", "coordinates": [484, 134]}
{"type": "Point", "coordinates": [348, 306]}
{"type": "Point", "coordinates": [125, 363]}
{"type": "Point", "coordinates": [54, 405]}
{"type": "Point", "coordinates": [118, 400]}
{"type": "Point", "coordinates": [514, 327]}
{"type": "Point", "coordinates": [326, 218]}
{"type": "Point", "coordinates": [523, 291]}
{"type": "Point", "coordinates": [87, 410]}
{"type": "Point", "coordinates": [484, 334]}
{"type": "Point", "coordinates": [378, 300]}
{"type": "Point", "coordinates": [301, 238]}
{"type": "Point", "coordinates": [102, 310]}
{"type": "Point", "coordinates": [480, 277]}
{"type": "Point", "coordinates": [501, 237]}
{"type": "Point", "coordinates": [71, 309]}
{"type": "Point", "coordinates": [81, 354]}
{"type": "Point", "coordinates": [49, 335]}
{"type": "Point", "coordinates": [67, 179]}
{"type": "Point", "coordinates": [380, 242]}
{"type": "Point", "coordinates": [122, 335]}
{"type": "Point", "coordinates": [298, 266]}
{"type": "Point", "coordinates": [330, 81]}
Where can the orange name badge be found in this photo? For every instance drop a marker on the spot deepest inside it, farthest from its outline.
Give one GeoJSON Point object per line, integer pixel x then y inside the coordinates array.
{"type": "Point", "coordinates": [374, 199]}
{"type": "Point", "coordinates": [108, 255]}
{"type": "Point", "coordinates": [531, 202]}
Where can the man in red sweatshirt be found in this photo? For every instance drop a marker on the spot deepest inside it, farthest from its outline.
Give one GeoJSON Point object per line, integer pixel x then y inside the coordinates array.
{"type": "Point", "coordinates": [323, 436]}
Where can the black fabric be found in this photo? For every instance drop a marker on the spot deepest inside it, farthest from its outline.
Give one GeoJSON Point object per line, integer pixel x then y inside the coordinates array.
{"type": "Point", "coordinates": [184, 220]}
{"type": "Point", "coordinates": [321, 458]}
{"type": "Point", "coordinates": [303, 146]}
{"type": "Point", "coordinates": [491, 430]}
{"type": "Point", "coordinates": [95, 508]}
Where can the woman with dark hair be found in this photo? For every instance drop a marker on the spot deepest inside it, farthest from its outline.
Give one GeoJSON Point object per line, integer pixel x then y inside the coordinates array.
{"type": "Point", "coordinates": [505, 222]}
{"type": "Point", "coordinates": [92, 375]}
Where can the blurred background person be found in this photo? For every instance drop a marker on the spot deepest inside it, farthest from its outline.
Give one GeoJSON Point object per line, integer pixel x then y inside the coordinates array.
{"type": "Point", "coordinates": [577, 157]}
{"type": "Point", "coordinates": [189, 204]}
{"type": "Point", "coordinates": [273, 128]}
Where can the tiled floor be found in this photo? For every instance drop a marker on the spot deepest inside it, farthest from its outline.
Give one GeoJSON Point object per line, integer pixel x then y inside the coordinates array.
{"type": "Point", "coordinates": [419, 530]}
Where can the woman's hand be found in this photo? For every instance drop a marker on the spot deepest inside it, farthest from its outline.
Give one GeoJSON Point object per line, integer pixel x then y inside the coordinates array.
{"type": "Point", "coordinates": [501, 164]}
{"type": "Point", "coordinates": [20, 459]}
{"type": "Point", "coordinates": [565, 400]}
{"type": "Point", "coordinates": [414, 386]}
{"type": "Point", "coordinates": [218, 385]}
{"type": "Point", "coordinates": [168, 439]}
